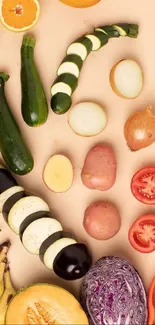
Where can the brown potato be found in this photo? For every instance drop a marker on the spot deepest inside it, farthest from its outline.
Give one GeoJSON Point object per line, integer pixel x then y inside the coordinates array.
{"type": "Point", "coordinates": [101, 220]}
{"type": "Point", "coordinates": [99, 170]}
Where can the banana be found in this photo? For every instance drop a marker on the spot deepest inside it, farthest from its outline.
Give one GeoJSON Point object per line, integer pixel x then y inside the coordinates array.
{"type": "Point", "coordinates": [4, 248]}
{"type": "Point", "coordinates": [2, 268]}
{"type": "Point", "coordinates": [8, 294]}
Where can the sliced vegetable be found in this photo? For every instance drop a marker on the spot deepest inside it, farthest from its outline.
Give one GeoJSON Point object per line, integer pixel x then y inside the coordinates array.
{"type": "Point", "coordinates": [23, 208]}
{"type": "Point", "coordinates": [6, 195]}
{"type": "Point", "coordinates": [58, 174]}
{"type": "Point", "coordinates": [142, 234]}
{"type": "Point", "coordinates": [38, 231]}
{"type": "Point", "coordinates": [9, 203]}
{"type": "Point", "coordinates": [7, 180]}
{"type": "Point", "coordinates": [98, 40]}
{"type": "Point", "coordinates": [100, 167]}
{"type": "Point", "coordinates": [143, 185]}
{"type": "Point", "coordinates": [53, 245]}
{"type": "Point", "coordinates": [77, 53]}
{"type": "Point", "coordinates": [12, 145]}
{"type": "Point", "coordinates": [101, 220]}
{"type": "Point", "coordinates": [151, 303]}
{"type": "Point", "coordinates": [34, 102]}
{"type": "Point", "coordinates": [126, 79]}
{"type": "Point", "coordinates": [81, 47]}
{"type": "Point", "coordinates": [65, 79]}
{"type": "Point", "coordinates": [71, 64]}
{"type": "Point", "coordinates": [87, 119]}
{"type": "Point", "coordinates": [44, 303]}
{"type": "Point", "coordinates": [113, 293]}
{"type": "Point", "coordinates": [60, 103]}
{"type": "Point", "coordinates": [139, 129]}
{"type": "Point", "coordinates": [72, 262]}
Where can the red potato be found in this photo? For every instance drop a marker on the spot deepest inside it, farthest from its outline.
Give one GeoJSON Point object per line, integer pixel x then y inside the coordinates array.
{"type": "Point", "coordinates": [102, 220]}
{"type": "Point", "coordinates": [99, 170]}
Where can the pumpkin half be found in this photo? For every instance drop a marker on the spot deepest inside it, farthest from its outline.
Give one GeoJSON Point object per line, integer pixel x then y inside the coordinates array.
{"type": "Point", "coordinates": [45, 304]}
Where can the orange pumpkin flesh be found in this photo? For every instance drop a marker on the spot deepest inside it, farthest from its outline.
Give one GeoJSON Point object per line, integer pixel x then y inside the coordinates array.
{"type": "Point", "coordinates": [45, 304]}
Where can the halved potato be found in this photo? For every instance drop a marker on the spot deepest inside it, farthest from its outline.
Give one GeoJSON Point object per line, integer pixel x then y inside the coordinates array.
{"type": "Point", "coordinates": [126, 79]}
{"type": "Point", "coordinates": [58, 173]}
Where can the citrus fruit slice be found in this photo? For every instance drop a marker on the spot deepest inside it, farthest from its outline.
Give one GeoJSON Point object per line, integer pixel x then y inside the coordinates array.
{"type": "Point", "coordinates": [80, 3]}
{"type": "Point", "coordinates": [19, 15]}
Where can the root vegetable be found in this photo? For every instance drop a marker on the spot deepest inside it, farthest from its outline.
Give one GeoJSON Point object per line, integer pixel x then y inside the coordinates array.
{"type": "Point", "coordinates": [58, 174]}
{"type": "Point", "coordinates": [126, 79]}
{"type": "Point", "coordinates": [99, 170]}
{"type": "Point", "coordinates": [101, 221]}
{"type": "Point", "coordinates": [87, 119]}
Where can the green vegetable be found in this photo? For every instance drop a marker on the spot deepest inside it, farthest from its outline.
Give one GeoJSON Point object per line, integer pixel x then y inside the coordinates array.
{"type": "Point", "coordinates": [34, 103]}
{"type": "Point", "coordinates": [60, 103]}
{"type": "Point", "coordinates": [12, 145]}
{"type": "Point", "coordinates": [61, 90]}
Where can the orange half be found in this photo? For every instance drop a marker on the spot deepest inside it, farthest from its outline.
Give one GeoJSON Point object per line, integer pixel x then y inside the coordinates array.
{"type": "Point", "coordinates": [19, 15]}
{"type": "Point", "coordinates": [80, 3]}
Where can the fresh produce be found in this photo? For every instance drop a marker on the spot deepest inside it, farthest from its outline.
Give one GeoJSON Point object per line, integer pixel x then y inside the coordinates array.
{"type": "Point", "coordinates": [58, 173]}
{"type": "Point", "coordinates": [143, 185]}
{"type": "Point", "coordinates": [34, 103]}
{"type": "Point", "coordinates": [151, 303]}
{"type": "Point", "coordinates": [139, 129]}
{"type": "Point", "coordinates": [113, 293]}
{"type": "Point", "coordinates": [40, 233]}
{"type": "Point", "coordinates": [80, 3]}
{"type": "Point", "coordinates": [100, 167]}
{"type": "Point", "coordinates": [19, 16]}
{"type": "Point", "coordinates": [23, 208]}
{"type": "Point", "coordinates": [142, 234]}
{"type": "Point", "coordinates": [69, 70]}
{"type": "Point", "coordinates": [101, 220]}
{"type": "Point", "coordinates": [12, 145]}
{"type": "Point", "coordinates": [87, 119]}
{"type": "Point", "coordinates": [6, 289]}
{"type": "Point", "coordinates": [126, 79]}
{"type": "Point", "coordinates": [45, 304]}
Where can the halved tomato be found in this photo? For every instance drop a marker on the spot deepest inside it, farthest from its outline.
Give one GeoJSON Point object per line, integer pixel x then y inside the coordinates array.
{"type": "Point", "coordinates": [143, 185]}
{"type": "Point", "coordinates": [142, 234]}
{"type": "Point", "coordinates": [151, 303]}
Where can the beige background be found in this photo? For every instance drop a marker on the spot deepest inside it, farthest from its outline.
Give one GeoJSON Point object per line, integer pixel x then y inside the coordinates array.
{"type": "Point", "coordinates": [58, 26]}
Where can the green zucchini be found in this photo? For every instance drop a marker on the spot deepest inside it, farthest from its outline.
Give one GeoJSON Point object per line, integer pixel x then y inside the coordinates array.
{"type": "Point", "coordinates": [62, 89]}
{"type": "Point", "coordinates": [98, 40]}
{"type": "Point", "coordinates": [12, 145]}
{"type": "Point", "coordinates": [60, 103]}
{"type": "Point", "coordinates": [62, 83]}
{"type": "Point", "coordinates": [71, 64]}
{"type": "Point", "coordinates": [34, 103]}
{"type": "Point", "coordinates": [82, 47]}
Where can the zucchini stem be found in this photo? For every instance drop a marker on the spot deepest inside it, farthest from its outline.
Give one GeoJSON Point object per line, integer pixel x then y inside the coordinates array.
{"type": "Point", "coordinates": [28, 41]}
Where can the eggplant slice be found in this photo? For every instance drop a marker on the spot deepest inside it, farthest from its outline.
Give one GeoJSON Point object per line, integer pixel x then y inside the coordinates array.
{"type": "Point", "coordinates": [53, 245]}
{"type": "Point", "coordinates": [23, 208]}
{"type": "Point", "coordinates": [72, 262]}
{"type": "Point", "coordinates": [7, 194]}
{"type": "Point", "coordinates": [10, 202]}
{"type": "Point", "coordinates": [38, 231]}
{"type": "Point", "coordinates": [6, 180]}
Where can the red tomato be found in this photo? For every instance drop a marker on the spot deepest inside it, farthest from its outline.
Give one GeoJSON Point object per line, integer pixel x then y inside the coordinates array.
{"type": "Point", "coordinates": [143, 185]}
{"type": "Point", "coordinates": [142, 234]}
{"type": "Point", "coordinates": [151, 303]}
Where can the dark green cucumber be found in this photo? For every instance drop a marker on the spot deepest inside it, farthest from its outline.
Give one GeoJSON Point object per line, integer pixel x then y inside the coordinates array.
{"type": "Point", "coordinates": [61, 82]}
{"type": "Point", "coordinates": [34, 103]}
{"type": "Point", "coordinates": [98, 40]}
{"type": "Point", "coordinates": [12, 145]}
{"type": "Point", "coordinates": [110, 31]}
{"type": "Point", "coordinates": [71, 64]}
{"type": "Point", "coordinates": [60, 103]}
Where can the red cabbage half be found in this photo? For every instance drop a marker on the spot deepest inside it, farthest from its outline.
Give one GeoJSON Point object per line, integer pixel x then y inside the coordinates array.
{"type": "Point", "coordinates": [112, 293]}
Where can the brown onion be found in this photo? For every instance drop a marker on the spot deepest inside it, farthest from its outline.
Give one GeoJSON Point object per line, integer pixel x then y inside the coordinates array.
{"type": "Point", "coordinates": [139, 129]}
